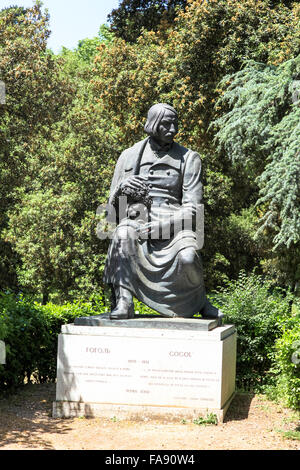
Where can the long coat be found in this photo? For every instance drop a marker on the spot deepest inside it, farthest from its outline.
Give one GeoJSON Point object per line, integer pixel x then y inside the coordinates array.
{"type": "Point", "coordinates": [161, 272]}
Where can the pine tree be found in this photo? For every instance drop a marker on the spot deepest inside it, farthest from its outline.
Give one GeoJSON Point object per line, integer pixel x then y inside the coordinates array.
{"type": "Point", "coordinates": [261, 131]}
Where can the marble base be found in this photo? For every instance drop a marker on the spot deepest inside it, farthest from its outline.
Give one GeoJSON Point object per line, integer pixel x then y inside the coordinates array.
{"type": "Point", "coordinates": [148, 321]}
{"type": "Point", "coordinates": [69, 409]}
{"type": "Point", "coordinates": [145, 372]}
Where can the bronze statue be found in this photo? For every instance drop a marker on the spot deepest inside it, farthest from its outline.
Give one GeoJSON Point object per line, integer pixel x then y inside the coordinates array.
{"type": "Point", "coordinates": [154, 254]}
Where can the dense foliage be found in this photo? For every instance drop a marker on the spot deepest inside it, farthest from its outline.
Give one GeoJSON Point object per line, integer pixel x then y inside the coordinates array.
{"type": "Point", "coordinates": [36, 97]}
{"type": "Point", "coordinates": [287, 365]}
{"type": "Point", "coordinates": [262, 133]}
{"type": "Point", "coordinates": [30, 333]}
{"type": "Point", "coordinates": [132, 16]}
{"type": "Point", "coordinates": [260, 315]}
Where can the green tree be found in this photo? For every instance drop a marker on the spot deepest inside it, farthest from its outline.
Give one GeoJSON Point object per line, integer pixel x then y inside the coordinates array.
{"type": "Point", "coordinates": [132, 16]}
{"type": "Point", "coordinates": [87, 48]}
{"type": "Point", "coordinates": [35, 97]}
{"type": "Point", "coordinates": [262, 132]}
{"type": "Point", "coordinates": [53, 226]}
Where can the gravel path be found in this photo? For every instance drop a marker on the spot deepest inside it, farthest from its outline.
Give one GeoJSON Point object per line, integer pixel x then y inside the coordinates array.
{"type": "Point", "coordinates": [251, 423]}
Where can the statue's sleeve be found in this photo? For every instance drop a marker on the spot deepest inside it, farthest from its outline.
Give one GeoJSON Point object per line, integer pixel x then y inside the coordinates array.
{"type": "Point", "coordinates": [192, 187]}
{"type": "Point", "coordinates": [192, 209]}
{"type": "Point", "coordinates": [112, 206]}
{"type": "Point", "coordinates": [127, 160]}
{"type": "Point", "coordinates": [117, 178]}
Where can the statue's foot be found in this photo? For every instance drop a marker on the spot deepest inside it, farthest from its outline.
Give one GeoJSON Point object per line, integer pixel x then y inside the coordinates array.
{"type": "Point", "coordinates": [122, 311]}
{"type": "Point", "coordinates": [209, 312]}
{"type": "Point", "coordinates": [124, 307]}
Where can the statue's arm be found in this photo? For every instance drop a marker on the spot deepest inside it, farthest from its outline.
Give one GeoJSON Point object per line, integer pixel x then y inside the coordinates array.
{"type": "Point", "coordinates": [192, 191]}
{"type": "Point", "coordinates": [192, 186]}
{"type": "Point", "coordinates": [117, 179]}
{"type": "Point", "coordinates": [112, 206]}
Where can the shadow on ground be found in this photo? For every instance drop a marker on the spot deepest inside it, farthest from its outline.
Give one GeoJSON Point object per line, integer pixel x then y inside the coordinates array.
{"type": "Point", "coordinates": [24, 418]}
{"type": "Point", "coordinates": [239, 407]}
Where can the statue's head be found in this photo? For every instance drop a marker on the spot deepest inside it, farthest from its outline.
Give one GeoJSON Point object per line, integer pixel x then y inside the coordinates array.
{"type": "Point", "coordinates": [162, 123]}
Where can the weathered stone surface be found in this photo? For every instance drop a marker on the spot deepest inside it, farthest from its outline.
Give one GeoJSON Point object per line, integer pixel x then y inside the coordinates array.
{"type": "Point", "coordinates": [140, 321]}
{"type": "Point", "coordinates": [146, 370]}
{"type": "Point", "coordinates": [154, 253]}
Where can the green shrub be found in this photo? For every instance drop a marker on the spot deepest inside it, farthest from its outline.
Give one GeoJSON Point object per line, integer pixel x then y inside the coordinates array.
{"type": "Point", "coordinates": [258, 313]}
{"type": "Point", "coordinates": [23, 330]}
{"type": "Point", "coordinates": [142, 309]}
{"type": "Point", "coordinates": [30, 332]}
{"type": "Point", "coordinates": [287, 364]}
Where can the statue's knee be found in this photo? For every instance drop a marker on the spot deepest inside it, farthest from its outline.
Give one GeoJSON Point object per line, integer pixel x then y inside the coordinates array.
{"type": "Point", "coordinates": [187, 256]}
{"type": "Point", "coordinates": [125, 232]}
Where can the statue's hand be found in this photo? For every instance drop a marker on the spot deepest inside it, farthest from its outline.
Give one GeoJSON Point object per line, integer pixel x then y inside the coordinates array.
{"type": "Point", "coordinates": [133, 182]}
{"type": "Point", "coordinates": [155, 230]}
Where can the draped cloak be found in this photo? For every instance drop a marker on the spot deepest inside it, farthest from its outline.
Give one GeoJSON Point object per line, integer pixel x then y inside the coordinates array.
{"type": "Point", "coordinates": [161, 272]}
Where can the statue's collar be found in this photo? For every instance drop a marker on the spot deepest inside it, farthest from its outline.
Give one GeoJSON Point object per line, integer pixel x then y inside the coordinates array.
{"type": "Point", "coordinates": [156, 147]}
{"type": "Point", "coordinates": [172, 158]}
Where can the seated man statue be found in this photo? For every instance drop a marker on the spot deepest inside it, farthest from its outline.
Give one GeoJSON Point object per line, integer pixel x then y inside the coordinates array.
{"type": "Point", "coordinates": [157, 258]}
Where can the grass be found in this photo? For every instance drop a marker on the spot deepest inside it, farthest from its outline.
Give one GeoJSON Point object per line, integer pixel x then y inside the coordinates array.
{"type": "Point", "coordinates": [294, 435]}
{"type": "Point", "coordinates": [210, 418]}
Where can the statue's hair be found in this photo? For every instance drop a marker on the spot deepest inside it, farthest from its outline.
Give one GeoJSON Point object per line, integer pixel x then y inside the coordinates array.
{"type": "Point", "coordinates": [155, 115]}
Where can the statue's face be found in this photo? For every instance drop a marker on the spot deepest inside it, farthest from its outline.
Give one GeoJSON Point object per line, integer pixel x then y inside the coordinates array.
{"type": "Point", "coordinates": [167, 129]}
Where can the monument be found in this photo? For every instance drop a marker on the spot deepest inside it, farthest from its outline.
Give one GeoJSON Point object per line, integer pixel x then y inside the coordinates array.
{"type": "Point", "coordinates": [181, 362]}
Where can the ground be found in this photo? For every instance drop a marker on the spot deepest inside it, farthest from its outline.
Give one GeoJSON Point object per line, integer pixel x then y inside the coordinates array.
{"type": "Point", "coordinates": [252, 423]}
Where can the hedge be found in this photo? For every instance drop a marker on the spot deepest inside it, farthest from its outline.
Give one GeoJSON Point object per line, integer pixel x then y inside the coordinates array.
{"type": "Point", "coordinates": [287, 364]}
{"type": "Point", "coordinates": [30, 332]}
{"type": "Point", "coordinates": [260, 314]}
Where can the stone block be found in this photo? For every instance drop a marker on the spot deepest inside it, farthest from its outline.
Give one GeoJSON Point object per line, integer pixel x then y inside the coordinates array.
{"type": "Point", "coordinates": [143, 372]}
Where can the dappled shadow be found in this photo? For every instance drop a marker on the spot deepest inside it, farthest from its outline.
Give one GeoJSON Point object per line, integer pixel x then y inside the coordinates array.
{"type": "Point", "coordinates": [26, 417]}
{"type": "Point", "coordinates": [239, 407]}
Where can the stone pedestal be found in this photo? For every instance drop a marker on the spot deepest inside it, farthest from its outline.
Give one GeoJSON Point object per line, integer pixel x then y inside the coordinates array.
{"type": "Point", "coordinates": [145, 368]}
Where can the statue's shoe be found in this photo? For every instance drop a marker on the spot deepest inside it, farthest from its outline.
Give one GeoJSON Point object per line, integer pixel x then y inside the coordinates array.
{"type": "Point", "coordinates": [123, 310]}
{"type": "Point", "coordinates": [210, 312]}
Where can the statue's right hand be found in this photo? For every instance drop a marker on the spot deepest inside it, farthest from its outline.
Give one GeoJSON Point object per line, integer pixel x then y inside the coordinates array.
{"type": "Point", "coordinates": [133, 182]}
